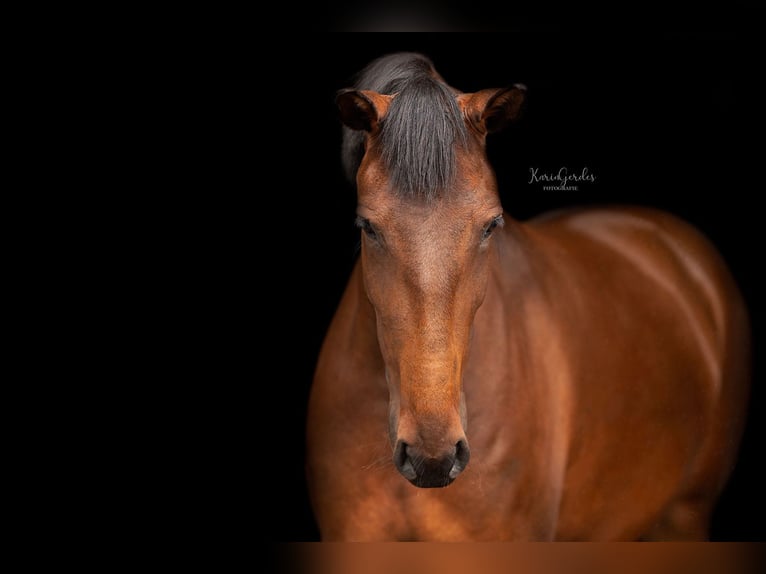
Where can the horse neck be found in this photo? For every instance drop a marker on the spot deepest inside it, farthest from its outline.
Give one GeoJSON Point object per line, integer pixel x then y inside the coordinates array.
{"type": "Point", "coordinates": [507, 319]}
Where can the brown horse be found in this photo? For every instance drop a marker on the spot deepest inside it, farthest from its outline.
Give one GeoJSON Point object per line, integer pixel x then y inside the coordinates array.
{"type": "Point", "coordinates": [593, 363]}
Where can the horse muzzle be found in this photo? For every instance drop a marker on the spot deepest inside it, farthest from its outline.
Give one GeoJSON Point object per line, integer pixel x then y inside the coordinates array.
{"type": "Point", "coordinates": [429, 470]}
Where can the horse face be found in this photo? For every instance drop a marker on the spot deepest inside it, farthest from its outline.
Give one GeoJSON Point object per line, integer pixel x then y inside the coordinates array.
{"type": "Point", "coordinates": [425, 271]}
{"type": "Point", "coordinates": [425, 262]}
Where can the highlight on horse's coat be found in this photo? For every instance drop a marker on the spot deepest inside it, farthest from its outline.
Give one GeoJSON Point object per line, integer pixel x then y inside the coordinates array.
{"type": "Point", "coordinates": [579, 376]}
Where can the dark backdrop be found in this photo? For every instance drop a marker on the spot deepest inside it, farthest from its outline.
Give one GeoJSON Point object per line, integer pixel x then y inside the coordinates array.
{"type": "Point", "coordinates": [654, 114]}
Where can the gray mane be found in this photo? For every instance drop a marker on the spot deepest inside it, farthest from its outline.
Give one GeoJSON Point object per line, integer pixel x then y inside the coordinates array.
{"type": "Point", "coordinates": [418, 134]}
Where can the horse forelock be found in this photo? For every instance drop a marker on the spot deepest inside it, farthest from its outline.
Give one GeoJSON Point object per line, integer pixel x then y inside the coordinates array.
{"type": "Point", "coordinates": [418, 138]}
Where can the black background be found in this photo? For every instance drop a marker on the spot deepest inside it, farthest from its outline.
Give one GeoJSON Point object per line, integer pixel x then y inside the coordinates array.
{"type": "Point", "coordinates": [656, 114]}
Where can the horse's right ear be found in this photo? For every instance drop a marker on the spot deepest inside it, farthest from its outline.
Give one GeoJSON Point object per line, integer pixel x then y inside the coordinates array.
{"type": "Point", "coordinates": [362, 109]}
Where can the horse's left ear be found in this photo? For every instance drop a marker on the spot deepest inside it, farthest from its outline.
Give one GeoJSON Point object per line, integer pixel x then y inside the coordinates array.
{"type": "Point", "coordinates": [491, 110]}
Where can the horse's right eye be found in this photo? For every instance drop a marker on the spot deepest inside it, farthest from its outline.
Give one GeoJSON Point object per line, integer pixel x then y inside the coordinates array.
{"type": "Point", "coordinates": [366, 226]}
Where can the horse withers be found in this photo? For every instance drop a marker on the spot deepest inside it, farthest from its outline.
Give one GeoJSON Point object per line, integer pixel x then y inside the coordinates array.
{"type": "Point", "coordinates": [579, 376]}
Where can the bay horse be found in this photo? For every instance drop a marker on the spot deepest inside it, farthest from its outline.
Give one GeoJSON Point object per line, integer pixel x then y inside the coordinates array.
{"type": "Point", "coordinates": [592, 364]}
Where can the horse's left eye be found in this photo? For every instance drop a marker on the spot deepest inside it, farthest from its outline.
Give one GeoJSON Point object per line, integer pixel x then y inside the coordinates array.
{"type": "Point", "coordinates": [496, 222]}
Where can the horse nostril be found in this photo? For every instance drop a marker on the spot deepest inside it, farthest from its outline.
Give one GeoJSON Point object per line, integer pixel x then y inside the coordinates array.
{"type": "Point", "coordinates": [462, 454]}
{"type": "Point", "coordinates": [403, 462]}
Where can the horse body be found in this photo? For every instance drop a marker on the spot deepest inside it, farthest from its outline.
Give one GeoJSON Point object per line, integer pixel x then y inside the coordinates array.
{"type": "Point", "coordinates": [602, 385]}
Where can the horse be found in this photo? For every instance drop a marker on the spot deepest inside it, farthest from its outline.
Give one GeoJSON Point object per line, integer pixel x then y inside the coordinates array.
{"type": "Point", "coordinates": [581, 375]}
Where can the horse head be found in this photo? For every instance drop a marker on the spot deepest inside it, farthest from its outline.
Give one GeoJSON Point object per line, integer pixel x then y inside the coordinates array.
{"type": "Point", "coordinates": [427, 208]}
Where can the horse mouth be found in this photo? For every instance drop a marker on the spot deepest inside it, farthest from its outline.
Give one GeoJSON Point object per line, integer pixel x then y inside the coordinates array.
{"type": "Point", "coordinates": [432, 481]}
